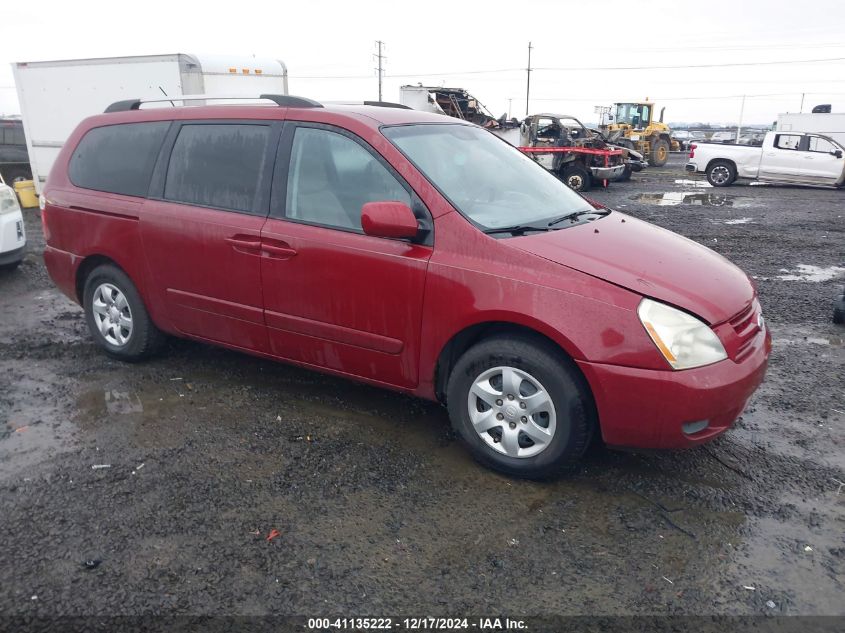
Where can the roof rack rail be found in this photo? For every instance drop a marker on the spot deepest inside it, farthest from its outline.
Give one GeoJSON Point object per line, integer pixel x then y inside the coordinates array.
{"type": "Point", "coordinates": [285, 101]}
{"type": "Point", "coordinates": [290, 101]}
{"type": "Point", "coordinates": [387, 104]}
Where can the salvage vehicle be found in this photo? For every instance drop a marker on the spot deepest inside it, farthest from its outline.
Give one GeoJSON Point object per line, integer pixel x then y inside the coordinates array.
{"type": "Point", "coordinates": [14, 159]}
{"type": "Point", "coordinates": [632, 125]}
{"type": "Point", "coordinates": [568, 149]}
{"type": "Point", "coordinates": [686, 137]}
{"type": "Point", "coordinates": [365, 242]}
{"type": "Point", "coordinates": [784, 157]}
{"type": "Point", "coordinates": [12, 231]}
{"type": "Point", "coordinates": [752, 138]}
{"type": "Point", "coordinates": [722, 137]}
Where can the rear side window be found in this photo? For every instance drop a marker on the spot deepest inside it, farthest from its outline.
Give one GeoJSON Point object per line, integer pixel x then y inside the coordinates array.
{"type": "Point", "coordinates": [217, 165]}
{"type": "Point", "coordinates": [788, 141]}
{"type": "Point", "coordinates": [118, 158]}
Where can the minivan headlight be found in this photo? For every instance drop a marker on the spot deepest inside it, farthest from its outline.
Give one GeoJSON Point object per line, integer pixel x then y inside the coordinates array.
{"type": "Point", "coordinates": [684, 341]}
{"type": "Point", "coordinates": [8, 201]}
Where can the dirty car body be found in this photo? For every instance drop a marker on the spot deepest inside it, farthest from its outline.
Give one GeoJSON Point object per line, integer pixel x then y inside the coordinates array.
{"type": "Point", "coordinates": [363, 242]}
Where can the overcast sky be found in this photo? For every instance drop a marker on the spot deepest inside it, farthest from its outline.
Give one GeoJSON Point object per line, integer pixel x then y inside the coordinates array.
{"type": "Point", "coordinates": [328, 46]}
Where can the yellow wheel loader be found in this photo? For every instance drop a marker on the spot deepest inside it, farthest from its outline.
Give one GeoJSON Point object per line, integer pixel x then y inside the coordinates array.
{"type": "Point", "coordinates": [631, 125]}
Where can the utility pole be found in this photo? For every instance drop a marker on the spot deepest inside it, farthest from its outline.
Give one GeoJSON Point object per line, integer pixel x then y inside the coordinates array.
{"type": "Point", "coordinates": [380, 68]}
{"type": "Point", "coordinates": [739, 125]}
{"type": "Point", "coordinates": [528, 79]}
{"type": "Point", "coordinates": [802, 103]}
{"type": "Point", "coordinates": [510, 101]}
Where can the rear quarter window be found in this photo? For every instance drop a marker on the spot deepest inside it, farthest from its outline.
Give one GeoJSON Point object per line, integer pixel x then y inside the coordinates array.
{"type": "Point", "coordinates": [118, 158]}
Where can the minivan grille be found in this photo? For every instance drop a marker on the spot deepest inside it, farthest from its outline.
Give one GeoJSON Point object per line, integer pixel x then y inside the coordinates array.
{"type": "Point", "coordinates": [746, 326]}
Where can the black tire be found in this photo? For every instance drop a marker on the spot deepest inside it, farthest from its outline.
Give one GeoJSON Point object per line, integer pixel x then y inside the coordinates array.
{"type": "Point", "coordinates": [144, 339]}
{"type": "Point", "coordinates": [721, 173]}
{"type": "Point", "coordinates": [659, 153]}
{"type": "Point", "coordinates": [10, 267]}
{"type": "Point", "coordinates": [577, 178]}
{"type": "Point", "coordinates": [565, 385]}
{"type": "Point", "coordinates": [626, 175]}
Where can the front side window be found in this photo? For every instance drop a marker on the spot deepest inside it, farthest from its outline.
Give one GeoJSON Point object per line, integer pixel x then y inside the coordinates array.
{"type": "Point", "coordinates": [332, 176]}
{"type": "Point", "coordinates": [822, 145]}
{"type": "Point", "coordinates": [548, 129]}
{"type": "Point", "coordinates": [787, 141]}
{"type": "Point", "coordinates": [489, 181]}
{"type": "Point", "coordinates": [118, 158]}
{"type": "Point", "coordinates": [217, 165]}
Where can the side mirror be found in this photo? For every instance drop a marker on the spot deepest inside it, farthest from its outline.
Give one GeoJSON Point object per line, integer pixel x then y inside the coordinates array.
{"type": "Point", "coordinates": [389, 219]}
{"type": "Point", "coordinates": [837, 153]}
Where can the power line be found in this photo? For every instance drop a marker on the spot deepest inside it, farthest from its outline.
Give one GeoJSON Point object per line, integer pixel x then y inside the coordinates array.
{"type": "Point", "coordinates": [581, 68]}
{"type": "Point", "coordinates": [705, 98]}
{"type": "Point", "coordinates": [683, 66]}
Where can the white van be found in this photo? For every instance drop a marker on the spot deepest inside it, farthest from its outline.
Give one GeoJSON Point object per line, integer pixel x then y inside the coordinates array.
{"type": "Point", "coordinates": [12, 231]}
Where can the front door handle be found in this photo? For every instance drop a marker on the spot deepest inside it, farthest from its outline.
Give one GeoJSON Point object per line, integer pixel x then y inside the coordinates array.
{"type": "Point", "coordinates": [282, 250]}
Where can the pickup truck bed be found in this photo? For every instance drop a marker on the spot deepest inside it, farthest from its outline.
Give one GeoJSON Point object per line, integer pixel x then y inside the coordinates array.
{"type": "Point", "coordinates": [785, 157]}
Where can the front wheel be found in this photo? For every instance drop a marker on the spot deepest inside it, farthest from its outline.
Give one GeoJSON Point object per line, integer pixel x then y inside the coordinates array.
{"type": "Point", "coordinates": [521, 406]}
{"type": "Point", "coordinates": [577, 178]}
{"type": "Point", "coordinates": [659, 153]}
{"type": "Point", "coordinates": [721, 173]}
{"type": "Point", "coordinates": [117, 317]}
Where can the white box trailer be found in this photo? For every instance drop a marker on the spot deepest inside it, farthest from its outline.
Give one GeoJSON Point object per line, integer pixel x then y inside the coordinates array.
{"type": "Point", "coordinates": [830, 124]}
{"type": "Point", "coordinates": [55, 96]}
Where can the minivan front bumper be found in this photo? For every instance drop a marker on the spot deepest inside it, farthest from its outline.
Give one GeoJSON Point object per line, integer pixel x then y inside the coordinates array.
{"type": "Point", "coordinates": [647, 408]}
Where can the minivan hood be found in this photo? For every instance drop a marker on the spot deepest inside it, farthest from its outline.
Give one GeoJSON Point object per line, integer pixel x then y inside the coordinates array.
{"type": "Point", "coordinates": [648, 260]}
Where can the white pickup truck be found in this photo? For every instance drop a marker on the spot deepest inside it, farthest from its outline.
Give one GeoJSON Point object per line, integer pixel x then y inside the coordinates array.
{"type": "Point", "coordinates": [785, 157]}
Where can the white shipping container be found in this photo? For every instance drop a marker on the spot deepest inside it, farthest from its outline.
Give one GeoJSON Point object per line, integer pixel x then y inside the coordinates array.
{"type": "Point", "coordinates": [55, 96]}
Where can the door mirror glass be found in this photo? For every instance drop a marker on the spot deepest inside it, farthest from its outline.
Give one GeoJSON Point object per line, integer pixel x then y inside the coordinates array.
{"type": "Point", "coordinates": [388, 219]}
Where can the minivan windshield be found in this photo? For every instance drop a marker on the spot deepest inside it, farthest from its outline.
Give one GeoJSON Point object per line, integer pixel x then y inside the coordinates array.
{"type": "Point", "coordinates": [489, 181]}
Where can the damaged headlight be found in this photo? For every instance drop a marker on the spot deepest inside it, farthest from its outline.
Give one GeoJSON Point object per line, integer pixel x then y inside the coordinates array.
{"type": "Point", "coordinates": [684, 341]}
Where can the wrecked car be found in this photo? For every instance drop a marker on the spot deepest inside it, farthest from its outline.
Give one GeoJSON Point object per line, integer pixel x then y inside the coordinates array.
{"type": "Point", "coordinates": [571, 151]}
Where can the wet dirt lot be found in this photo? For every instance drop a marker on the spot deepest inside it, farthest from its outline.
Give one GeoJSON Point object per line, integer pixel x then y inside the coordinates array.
{"type": "Point", "coordinates": [378, 507]}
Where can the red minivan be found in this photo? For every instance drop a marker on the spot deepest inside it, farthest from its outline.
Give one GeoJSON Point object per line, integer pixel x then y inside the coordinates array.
{"type": "Point", "coordinates": [406, 250]}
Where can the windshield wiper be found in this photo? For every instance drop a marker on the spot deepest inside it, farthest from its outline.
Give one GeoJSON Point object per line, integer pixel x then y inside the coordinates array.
{"type": "Point", "coordinates": [516, 228]}
{"type": "Point", "coordinates": [575, 214]}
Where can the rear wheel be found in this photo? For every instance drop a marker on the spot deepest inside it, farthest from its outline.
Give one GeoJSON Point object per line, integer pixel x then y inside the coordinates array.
{"type": "Point", "coordinates": [659, 153]}
{"type": "Point", "coordinates": [721, 173]}
{"type": "Point", "coordinates": [626, 175]}
{"type": "Point", "coordinates": [577, 178]}
{"type": "Point", "coordinates": [116, 316]}
{"type": "Point", "coordinates": [521, 406]}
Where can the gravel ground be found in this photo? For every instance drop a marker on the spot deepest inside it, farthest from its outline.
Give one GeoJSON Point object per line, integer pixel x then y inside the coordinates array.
{"type": "Point", "coordinates": [378, 507]}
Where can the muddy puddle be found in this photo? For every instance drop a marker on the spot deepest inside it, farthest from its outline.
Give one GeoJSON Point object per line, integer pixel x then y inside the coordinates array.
{"type": "Point", "coordinates": [697, 198]}
{"type": "Point", "coordinates": [811, 274]}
